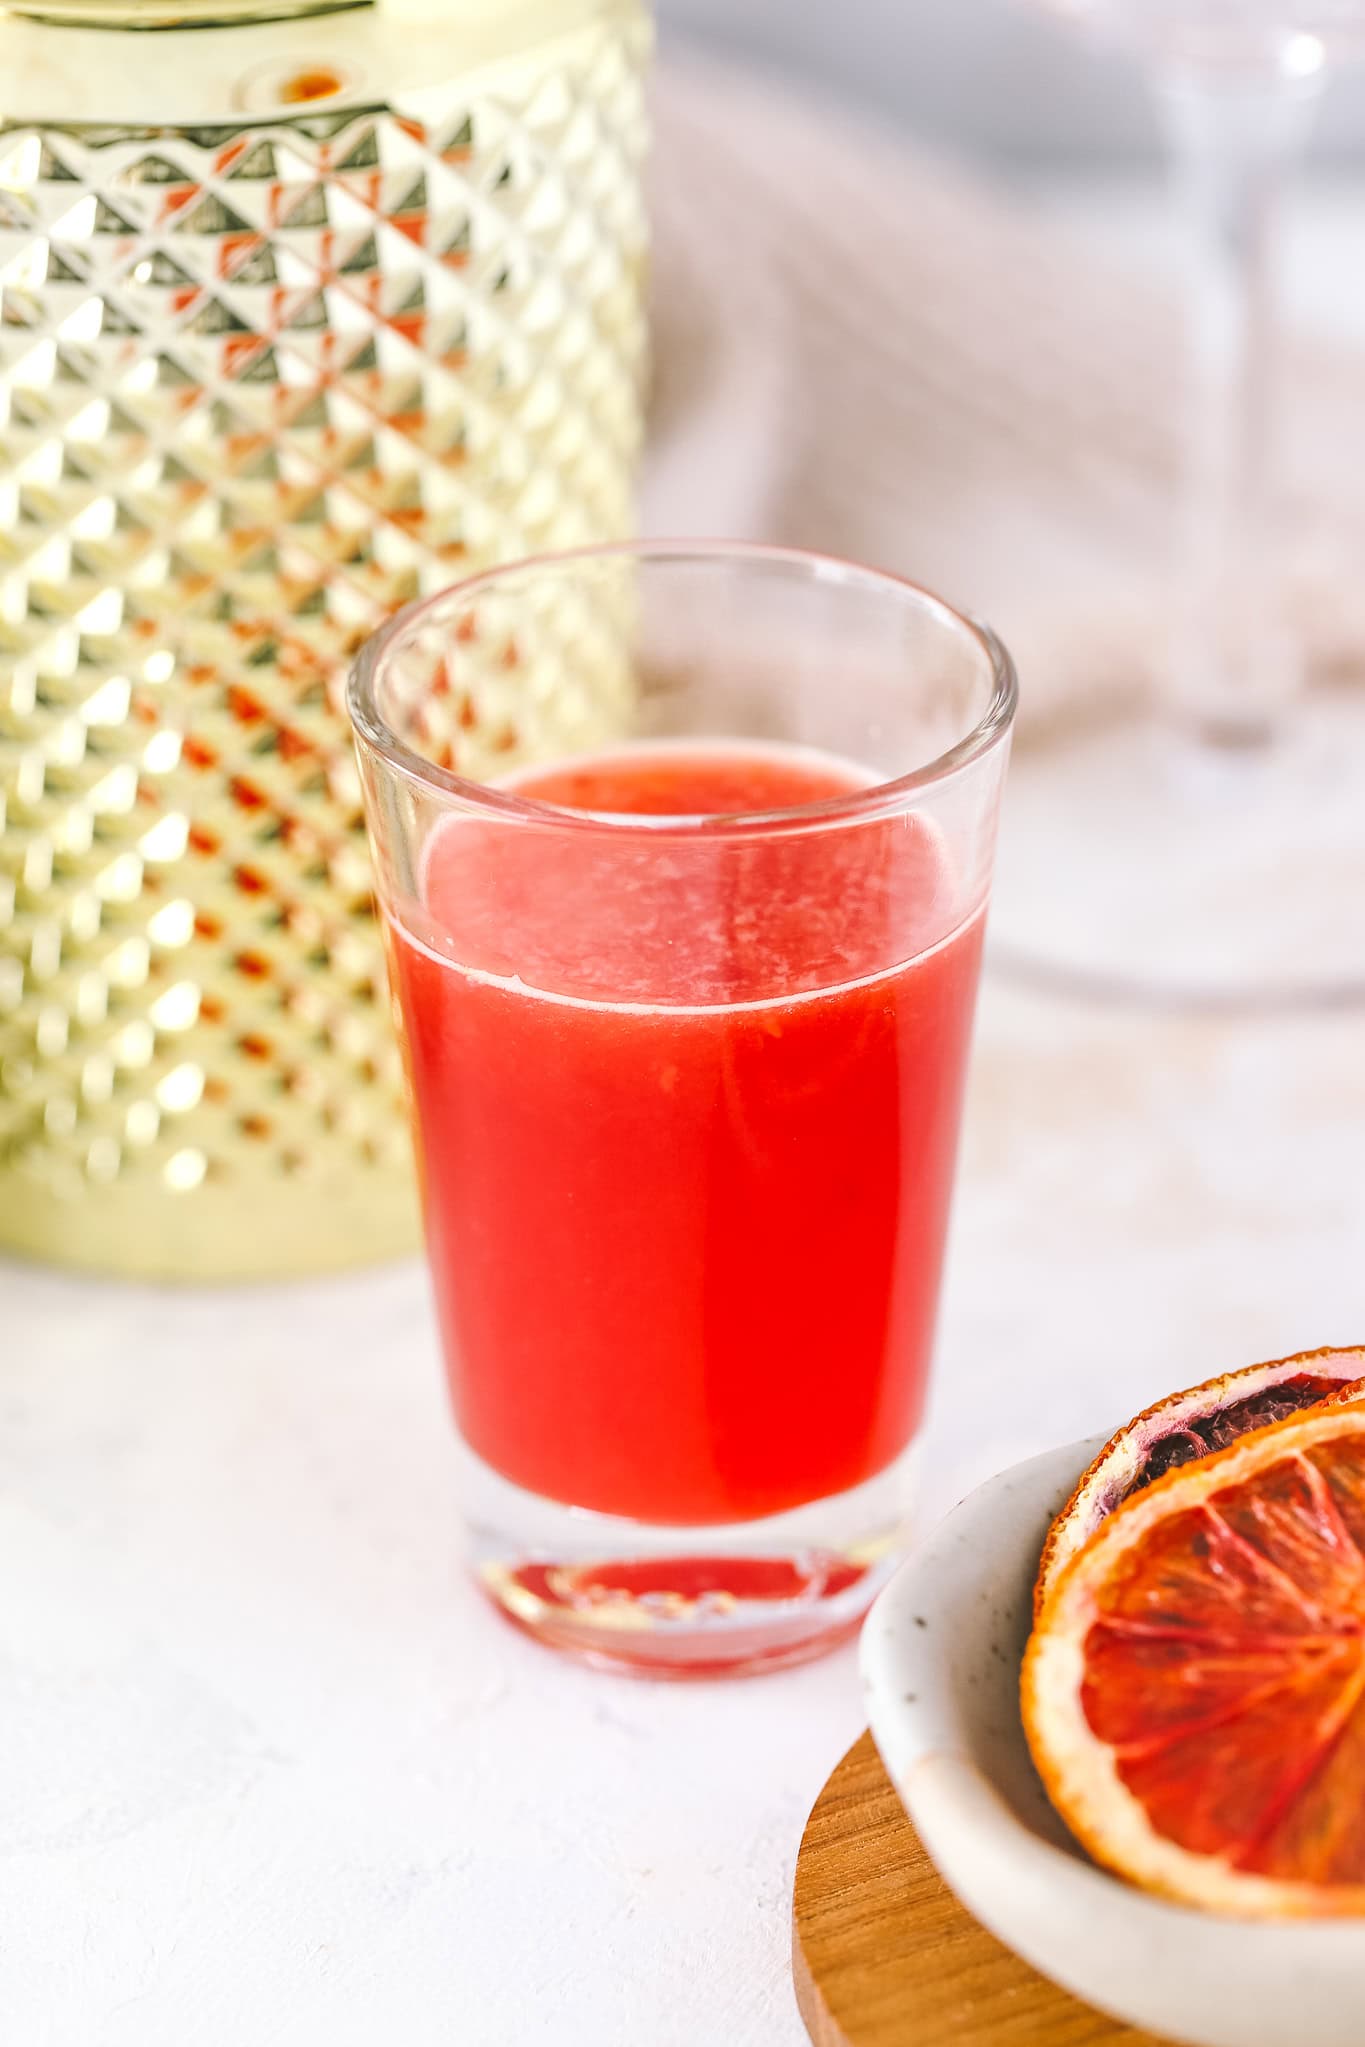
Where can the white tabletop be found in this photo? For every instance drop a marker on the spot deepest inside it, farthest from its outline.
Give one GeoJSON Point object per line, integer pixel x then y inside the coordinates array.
{"type": "Point", "coordinates": [273, 1776]}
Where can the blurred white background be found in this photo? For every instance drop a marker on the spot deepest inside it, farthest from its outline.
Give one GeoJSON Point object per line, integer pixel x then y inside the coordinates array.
{"type": "Point", "coordinates": [996, 78]}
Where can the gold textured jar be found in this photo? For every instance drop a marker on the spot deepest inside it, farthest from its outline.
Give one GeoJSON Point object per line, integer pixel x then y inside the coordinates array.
{"type": "Point", "coordinates": [303, 312]}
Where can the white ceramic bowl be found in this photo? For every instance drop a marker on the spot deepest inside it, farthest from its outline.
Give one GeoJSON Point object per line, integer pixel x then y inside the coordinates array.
{"type": "Point", "coordinates": [940, 1659]}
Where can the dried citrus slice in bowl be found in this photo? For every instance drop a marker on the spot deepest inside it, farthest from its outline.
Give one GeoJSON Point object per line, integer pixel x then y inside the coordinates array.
{"type": "Point", "coordinates": [1194, 1690]}
{"type": "Point", "coordinates": [1188, 1426]}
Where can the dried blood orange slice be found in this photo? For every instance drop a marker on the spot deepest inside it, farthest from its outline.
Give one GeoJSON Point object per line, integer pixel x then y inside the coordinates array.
{"type": "Point", "coordinates": [1187, 1426]}
{"type": "Point", "coordinates": [1194, 1692]}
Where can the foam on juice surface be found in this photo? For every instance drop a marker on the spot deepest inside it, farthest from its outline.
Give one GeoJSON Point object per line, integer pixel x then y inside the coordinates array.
{"type": "Point", "coordinates": [650, 918]}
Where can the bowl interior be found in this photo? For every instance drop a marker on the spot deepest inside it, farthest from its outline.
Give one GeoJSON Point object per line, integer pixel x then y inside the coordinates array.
{"type": "Point", "coordinates": [943, 1645]}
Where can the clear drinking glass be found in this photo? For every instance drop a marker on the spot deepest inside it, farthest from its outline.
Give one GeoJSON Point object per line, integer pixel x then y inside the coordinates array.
{"type": "Point", "coordinates": [683, 855]}
{"type": "Point", "coordinates": [1213, 852]}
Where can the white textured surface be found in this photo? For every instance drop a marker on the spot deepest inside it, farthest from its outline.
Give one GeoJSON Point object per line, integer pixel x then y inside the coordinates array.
{"type": "Point", "coordinates": [271, 1775]}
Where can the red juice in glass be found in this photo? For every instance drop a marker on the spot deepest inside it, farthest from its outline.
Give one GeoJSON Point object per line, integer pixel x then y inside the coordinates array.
{"type": "Point", "coordinates": [687, 1124]}
{"type": "Point", "coordinates": [683, 852]}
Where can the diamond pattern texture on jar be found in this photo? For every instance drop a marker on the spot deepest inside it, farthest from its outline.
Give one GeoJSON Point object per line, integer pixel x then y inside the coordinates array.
{"type": "Point", "coordinates": [259, 385]}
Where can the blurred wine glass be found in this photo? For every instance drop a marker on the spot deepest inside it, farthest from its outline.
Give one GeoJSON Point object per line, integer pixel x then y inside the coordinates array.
{"type": "Point", "coordinates": [1216, 853]}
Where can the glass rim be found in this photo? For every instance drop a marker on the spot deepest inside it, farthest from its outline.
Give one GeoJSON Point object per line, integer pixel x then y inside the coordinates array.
{"type": "Point", "coordinates": [879, 799]}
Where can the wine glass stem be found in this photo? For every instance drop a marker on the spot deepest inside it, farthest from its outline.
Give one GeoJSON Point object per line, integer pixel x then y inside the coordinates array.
{"type": "Point", "coordinates": [1235, 138]}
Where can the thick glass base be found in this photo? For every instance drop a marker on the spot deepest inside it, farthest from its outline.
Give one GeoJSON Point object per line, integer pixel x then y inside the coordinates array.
{"type": "Point", "coordinates": [1150, 867]}
{"type": "Point", "coordinates": [686, 1602]}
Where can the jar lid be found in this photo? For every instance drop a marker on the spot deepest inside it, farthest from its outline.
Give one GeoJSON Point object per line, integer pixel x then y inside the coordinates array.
{"type": "Point", "coordinates": [174, 13]}
{"type": "Point", "coordinates": [189, 63]}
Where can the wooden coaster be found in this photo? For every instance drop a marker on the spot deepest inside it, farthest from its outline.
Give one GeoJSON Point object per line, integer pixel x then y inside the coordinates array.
{"type": "Point", "coordinates": [884, 1955]}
